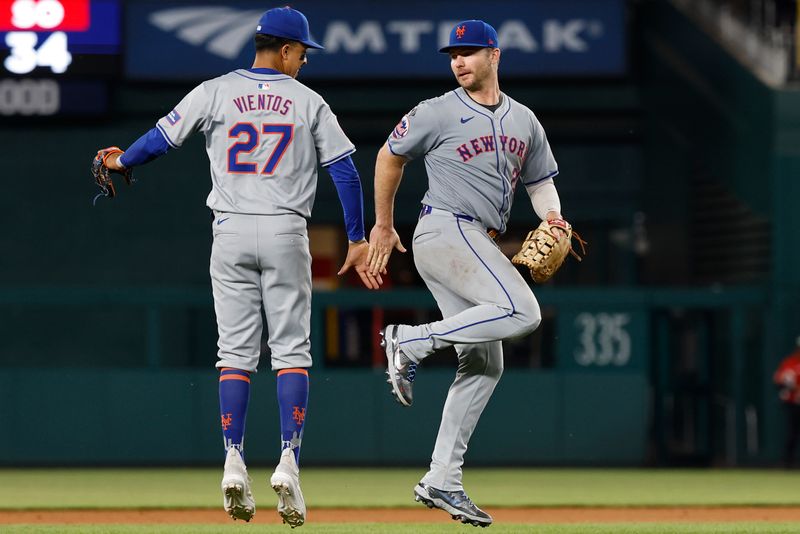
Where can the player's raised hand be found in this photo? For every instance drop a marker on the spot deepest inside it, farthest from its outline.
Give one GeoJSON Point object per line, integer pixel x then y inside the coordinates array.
{"type": "Point", "coordinates": [382, 241]}
{"type": "Point", "coordinates": [357, 257]}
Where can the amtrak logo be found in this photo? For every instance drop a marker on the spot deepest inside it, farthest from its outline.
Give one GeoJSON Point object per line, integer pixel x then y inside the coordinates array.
{"type": "Point", "coordinates": [225, 31]}
{"type": "Point", "coordinates": [222, 31]}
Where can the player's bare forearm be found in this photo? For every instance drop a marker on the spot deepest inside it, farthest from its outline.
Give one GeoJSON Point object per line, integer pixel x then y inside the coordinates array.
{"type": "Point", "coordinates": [388, 174]}
{"type": "Point", "coordinates": [383, 237]}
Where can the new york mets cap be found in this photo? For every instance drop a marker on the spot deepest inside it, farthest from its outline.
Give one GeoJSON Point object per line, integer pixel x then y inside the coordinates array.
{"type": "Point", "coordinates": [472, 33]}
{"type": "Point", "coordinates": [287, 23]}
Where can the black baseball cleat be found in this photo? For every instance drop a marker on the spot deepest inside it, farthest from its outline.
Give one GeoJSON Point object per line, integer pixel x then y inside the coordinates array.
{"type": "Point", "coordinates": [455, 503]}
{"type": "Point", "coordinates": [399, 367]}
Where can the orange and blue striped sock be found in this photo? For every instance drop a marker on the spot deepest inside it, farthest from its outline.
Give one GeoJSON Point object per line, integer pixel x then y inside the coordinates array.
{"type": "Point", "coordinates": [292, 402]}
{"type": "Point", "coordinates": [234, 395]}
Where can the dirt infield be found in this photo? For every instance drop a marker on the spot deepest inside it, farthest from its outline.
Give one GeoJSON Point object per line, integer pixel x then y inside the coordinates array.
{"type": "Point", "coordinates": [408, 515]}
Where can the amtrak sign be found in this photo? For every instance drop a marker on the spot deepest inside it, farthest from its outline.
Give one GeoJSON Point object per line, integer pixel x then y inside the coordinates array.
{"type": "Point", "coordinates": [370, 39]}
{"type": "Point", "coordinates": [406, 36]}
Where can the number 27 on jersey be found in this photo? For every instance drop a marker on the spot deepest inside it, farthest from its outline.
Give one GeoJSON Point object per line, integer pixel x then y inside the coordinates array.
{"type": "Point", "coordinates": [248, 137]}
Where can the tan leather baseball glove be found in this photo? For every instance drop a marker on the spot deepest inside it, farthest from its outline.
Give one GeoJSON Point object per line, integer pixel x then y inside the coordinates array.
{"type": "Point", "coordinates": [546, 248]}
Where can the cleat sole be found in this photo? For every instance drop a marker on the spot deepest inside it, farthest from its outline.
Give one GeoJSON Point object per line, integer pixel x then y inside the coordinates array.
{"type": "Point", "coordinates": [290, 516]}
{"type": "Point", "coordinates": [235, 492]}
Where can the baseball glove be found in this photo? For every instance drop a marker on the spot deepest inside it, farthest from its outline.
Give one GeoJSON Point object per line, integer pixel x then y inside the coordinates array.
{"type": "Point", "coordinates": [546, 248]}
{"type": "Point", "coordinates": [102, 174]}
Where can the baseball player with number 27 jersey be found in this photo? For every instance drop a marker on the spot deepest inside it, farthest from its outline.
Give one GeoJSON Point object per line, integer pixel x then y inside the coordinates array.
{"type": "Point", "coordinates": [478, 144]}
{"type": "Point", "coordinates": [265, 135]}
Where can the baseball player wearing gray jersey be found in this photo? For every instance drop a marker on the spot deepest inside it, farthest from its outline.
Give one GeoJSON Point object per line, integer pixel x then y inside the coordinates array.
{"type": "Point", "coordinates": [477, 143]}
{"type": "Point", "coordinates": [265, 134]}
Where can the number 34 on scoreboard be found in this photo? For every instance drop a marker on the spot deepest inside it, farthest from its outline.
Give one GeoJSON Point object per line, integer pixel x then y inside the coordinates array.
{"type": "Point", "coordinates": [36, 35]}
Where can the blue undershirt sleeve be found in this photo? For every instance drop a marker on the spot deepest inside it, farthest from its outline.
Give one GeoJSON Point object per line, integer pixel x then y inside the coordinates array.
{"type": "Point", "coordinates": [147, 148]}
{"type": "Point", "coordinates": [348, 185]}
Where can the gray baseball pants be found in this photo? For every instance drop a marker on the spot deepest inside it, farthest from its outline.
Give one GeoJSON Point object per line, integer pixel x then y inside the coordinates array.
{"type": "Point", "coordinates": [261, 261]}
{"type": "Point", "coordinates": [483, 300]}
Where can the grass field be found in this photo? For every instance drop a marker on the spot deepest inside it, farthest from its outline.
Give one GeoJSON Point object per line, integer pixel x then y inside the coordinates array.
{"type": "Point", "coordinates": [137, 489]}
{"type": "Point", "coordinates": [365, 488]}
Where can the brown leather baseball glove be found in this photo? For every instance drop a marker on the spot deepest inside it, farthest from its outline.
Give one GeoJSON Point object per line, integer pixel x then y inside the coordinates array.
{"type": "Point", "coordinates": [102, 174]}
{"type": "Point", "coordinates": [546, 248]}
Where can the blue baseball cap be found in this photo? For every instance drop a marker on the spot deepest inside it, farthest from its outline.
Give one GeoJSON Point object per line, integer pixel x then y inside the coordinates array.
{"type": "Point", "coordinates": [287, 23]}
{"type": "Point", "coordinates": [472, 33]}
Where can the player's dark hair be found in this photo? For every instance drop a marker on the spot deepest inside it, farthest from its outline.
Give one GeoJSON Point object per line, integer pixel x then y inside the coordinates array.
{"type": "Point", "coordinates": [270, 42]}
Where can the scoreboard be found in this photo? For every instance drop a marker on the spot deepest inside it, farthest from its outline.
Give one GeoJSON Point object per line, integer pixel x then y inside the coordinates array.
{"type": "Point", "coordinates": [58, 56]}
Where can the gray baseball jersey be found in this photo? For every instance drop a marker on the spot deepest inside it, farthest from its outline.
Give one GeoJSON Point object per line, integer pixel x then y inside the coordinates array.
{"type": "Point", "coordinates": [475, 157]}
{"type": "Point", "coordinates": [265, 135]}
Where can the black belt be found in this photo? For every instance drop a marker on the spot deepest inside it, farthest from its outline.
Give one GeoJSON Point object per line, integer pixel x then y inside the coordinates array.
{"type": "Point", "coordinates": [426, 210]}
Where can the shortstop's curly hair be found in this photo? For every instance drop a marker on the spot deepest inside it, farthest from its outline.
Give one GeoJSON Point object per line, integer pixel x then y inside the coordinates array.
{"type": "Point", "coordinates": [270, 42]}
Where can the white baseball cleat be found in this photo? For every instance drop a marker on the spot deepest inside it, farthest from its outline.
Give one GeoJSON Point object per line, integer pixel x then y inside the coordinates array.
{"type": "Point", "coordinates": [286, 483]}
{"type": "Point", "coordinates": [236, 496]}
{"type": "Point", "coordinates": [399, 367]}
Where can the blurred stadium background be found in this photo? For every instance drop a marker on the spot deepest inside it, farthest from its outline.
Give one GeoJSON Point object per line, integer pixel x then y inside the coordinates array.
{"type": "Point", "coordinates": [676, 124]}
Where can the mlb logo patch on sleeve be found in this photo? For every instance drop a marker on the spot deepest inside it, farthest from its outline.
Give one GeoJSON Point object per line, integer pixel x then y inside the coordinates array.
{"type": "Point", "coordinates": [173, 117]}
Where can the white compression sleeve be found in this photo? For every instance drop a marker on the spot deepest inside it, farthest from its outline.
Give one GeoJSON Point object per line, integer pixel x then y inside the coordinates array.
{"type": "Point", "coordinates": [544, 198]}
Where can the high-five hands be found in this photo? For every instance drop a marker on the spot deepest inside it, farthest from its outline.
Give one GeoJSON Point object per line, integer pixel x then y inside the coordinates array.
{"type": "Point", "coordinates": [357, 258]}
{"type": "Point", "coordinates": [382, 241]}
